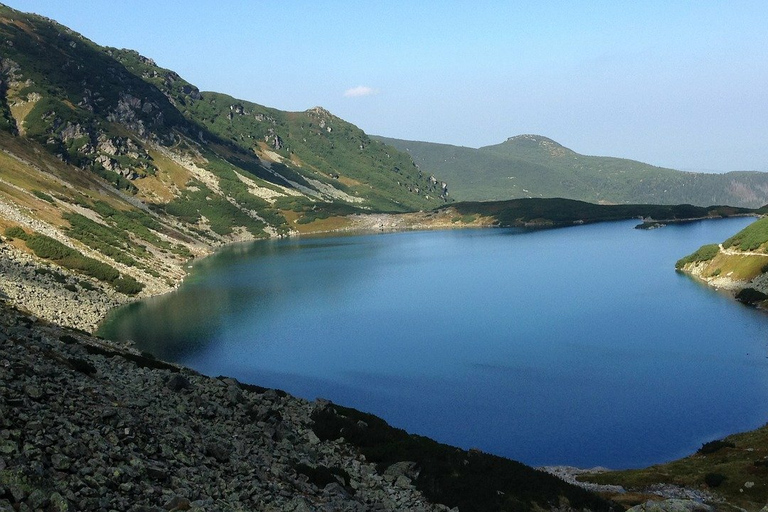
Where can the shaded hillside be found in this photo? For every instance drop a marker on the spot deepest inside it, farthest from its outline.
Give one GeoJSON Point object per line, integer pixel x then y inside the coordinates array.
{"type": "Point", "coordinates": [568, 212]}
{"type": "Point", "coordinates": [535, 166]}
{"type": "Point", "coordinates": [733, 471]}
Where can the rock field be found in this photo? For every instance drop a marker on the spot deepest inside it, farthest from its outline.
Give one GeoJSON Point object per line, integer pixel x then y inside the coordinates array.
{"type": "Point", "coordinates": [86, 424]}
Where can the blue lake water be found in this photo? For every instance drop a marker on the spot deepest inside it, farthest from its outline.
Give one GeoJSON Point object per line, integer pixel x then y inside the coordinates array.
{"type": "Point", "coordinates": [577, 346]}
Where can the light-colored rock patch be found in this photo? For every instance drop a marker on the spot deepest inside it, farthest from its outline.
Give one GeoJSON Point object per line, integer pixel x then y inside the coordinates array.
{"type": "Point", "coordinates": [265, 193]}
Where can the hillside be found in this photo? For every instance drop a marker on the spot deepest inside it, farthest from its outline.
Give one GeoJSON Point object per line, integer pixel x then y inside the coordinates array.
{"type": "Point", "coordinates": [535, 166]}
{"type": "Point", "coordinates": [105, 110]}
{"type": "Point", "coordinates": [738, 264]}
{"type": "Point", "coordinates": [117, 171]}
{"type": "Point", "coordinates": [555, 212]}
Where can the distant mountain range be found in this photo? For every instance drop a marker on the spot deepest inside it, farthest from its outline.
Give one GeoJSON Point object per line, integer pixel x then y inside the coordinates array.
{"type": "Point", "coordinates": [535, 166]}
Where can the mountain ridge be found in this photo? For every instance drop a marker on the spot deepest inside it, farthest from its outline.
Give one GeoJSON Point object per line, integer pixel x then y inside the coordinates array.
{"type": "Point", "coordinates": [113, 164]}
{"type": "Point", "coordinates": [531, 165]}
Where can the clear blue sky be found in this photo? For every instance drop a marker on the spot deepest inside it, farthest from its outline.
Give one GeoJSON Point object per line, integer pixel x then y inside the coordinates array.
{"type": "Point", "coordinates": [682, 84]}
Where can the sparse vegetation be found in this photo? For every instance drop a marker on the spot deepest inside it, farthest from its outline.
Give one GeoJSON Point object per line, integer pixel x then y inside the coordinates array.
{"type": "Point", "coordinates": [725, 465]}
{"type": "Point", "coordinates": [714, 479]}
{"type": "Point", "coordinates": [15, 232]}
{"type": "Point", "coordinates": [47, 248]}
{"type": "Point", "coordinates": [715, 446]}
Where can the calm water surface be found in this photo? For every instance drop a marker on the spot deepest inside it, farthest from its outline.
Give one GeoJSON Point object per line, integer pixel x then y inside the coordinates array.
{"type": "Point", "coordinates": [576, 346]}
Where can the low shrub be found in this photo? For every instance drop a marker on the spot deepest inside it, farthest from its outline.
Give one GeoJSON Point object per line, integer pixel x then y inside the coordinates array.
{"type": "Point", "coordinates": [751, 237]}
{"type": "Point", "coordinates": [82, 366]}
{"type": "Point", "coordinates": [85, 285]}
{"type": "Point", "coordinates": [56, 276]}
{"type": "Point", "coordinates": [127, 285]}
{"type": "Point", "coordinates": [470, 480]}
{"type": "Point", "coordinates": [322, 476]}
{"type": "Point", "coordinates": [714, 446]}
{"type": "Point", "coordinates": [42, 195]}
{"type": "Point", "coordinates": [714, 479]}
{"type": "Point", "coordinates": [47, 248]}
{"type": "Point", "coordinates": [15, 232]}
{"type": "Point", "coordinates": [751, 296]}
{"type": "Point", "coordinates": [704, 253]}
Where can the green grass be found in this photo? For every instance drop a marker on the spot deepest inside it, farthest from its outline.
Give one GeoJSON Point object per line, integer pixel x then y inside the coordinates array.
{"type": "Point", "coordinates": [387, 178]}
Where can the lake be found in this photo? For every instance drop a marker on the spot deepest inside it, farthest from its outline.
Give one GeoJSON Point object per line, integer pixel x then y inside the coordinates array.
{"type": "Point", "coordinates": [578, 346]}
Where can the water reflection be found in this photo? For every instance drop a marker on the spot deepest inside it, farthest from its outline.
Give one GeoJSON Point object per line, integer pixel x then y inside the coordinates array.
{"type": "Point", "coordinates": [228, 289]}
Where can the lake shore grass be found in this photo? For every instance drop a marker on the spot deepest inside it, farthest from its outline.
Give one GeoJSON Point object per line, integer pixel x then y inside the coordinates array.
{"type": "Point", "coordinates": [733, 470]}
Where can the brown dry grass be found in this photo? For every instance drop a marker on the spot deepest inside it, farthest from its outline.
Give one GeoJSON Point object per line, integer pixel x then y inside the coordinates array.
{"type": "Point", "coordinates": [738, 267]}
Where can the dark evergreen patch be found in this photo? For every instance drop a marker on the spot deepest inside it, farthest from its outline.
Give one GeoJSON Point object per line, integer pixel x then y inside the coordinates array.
{"type": "Point", "coordinates": [750, 296]}
{"type": "Point", "coordinates": [714, 446]}
{"type": "Point", "coordinates": [470, 480]}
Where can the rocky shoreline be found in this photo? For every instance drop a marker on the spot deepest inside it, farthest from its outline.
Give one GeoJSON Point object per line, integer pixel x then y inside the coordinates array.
{"type": "Point", "coordinates": [92, 425]}
{"type": "Point", "coordinates": [54, 293]}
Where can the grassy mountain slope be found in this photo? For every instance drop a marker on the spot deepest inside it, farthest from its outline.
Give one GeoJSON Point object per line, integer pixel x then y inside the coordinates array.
{"type": "Point", "coordinates": [739, 264]}
{"type": "Point", "coordinates": [535, 166]}
{"type": "Point", "coordinates": [130, 165]}
{"type": "Point", "coordinates": [314, 148]}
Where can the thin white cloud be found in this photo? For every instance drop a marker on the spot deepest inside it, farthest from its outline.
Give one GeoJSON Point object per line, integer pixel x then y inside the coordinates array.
{"type": "Point", "coordinates": [360, 90]}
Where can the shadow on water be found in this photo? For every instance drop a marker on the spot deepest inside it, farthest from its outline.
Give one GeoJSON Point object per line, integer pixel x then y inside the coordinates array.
{"type": "Point", "coordinates": [227, 288]}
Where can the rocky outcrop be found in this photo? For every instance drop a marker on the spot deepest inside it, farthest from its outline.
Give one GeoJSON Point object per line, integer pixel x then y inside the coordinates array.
{"type": "Point", "coordinates": [90, 425]}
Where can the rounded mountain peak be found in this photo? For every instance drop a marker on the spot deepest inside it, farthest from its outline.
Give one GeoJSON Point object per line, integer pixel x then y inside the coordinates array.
{"type": "Point", "coordinates": [531, 146]}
